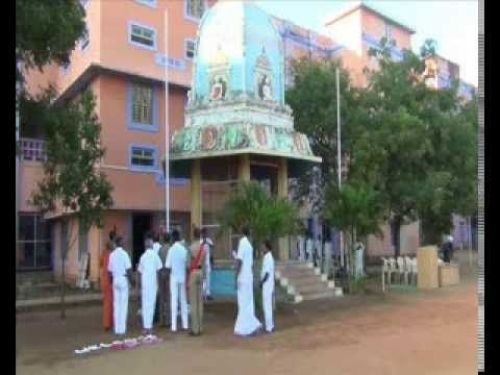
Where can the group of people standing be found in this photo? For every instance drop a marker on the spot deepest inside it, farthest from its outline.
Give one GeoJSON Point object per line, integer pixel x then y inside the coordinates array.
{"type": "Point", "coordinates": [173, 274]}
{"type": "Point", "coordinates": [169, 273]}
{"type": "Point", "coordinates": [247, 323]}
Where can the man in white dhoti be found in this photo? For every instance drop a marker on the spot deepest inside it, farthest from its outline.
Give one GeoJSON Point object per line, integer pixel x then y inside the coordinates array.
{"type": "Point", "coordinates": [309, 247]}
{"type": "Point", "coordinates": [267, 286]}
{"type": "Point", "coordinates": [208, 262]}
{"type": "Point", "coordinates": [359, 257]}
{"type": "Point", "coordinates": [301, 248]}
{"type": "Point", "coordinates": [246, 322]}
{"type": "Point", "coordinates": [149, 266]}
{"type": "Point", "coordinates": [120, 272]}
{"type": "Point", "coordinates": [177, 264]}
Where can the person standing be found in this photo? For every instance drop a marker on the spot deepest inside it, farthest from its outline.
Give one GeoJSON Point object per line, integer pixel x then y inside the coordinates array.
{"type": "Point", "coordinates": [309, 247]}
{"type": "Point", "coordinates": [164, 285]}
{"type": "Point", "coordinates": [156, 243]}
{"type": "Point", "coordinates": [177, 263]}
{"type": "Point", "coordinates": [246, 322]}
{"type": "Point", "coordinates": [301, 248]}
{"type": "Point", "coordinates": [196, 277]}
{"type": "Point", "coordinates": [106, 289]}
{"type": "Point", "coordinates": [120, 272]}
{"type": "Point", "coordinates": [267, 286]}
{"type": "Point", "coordinates": [208, 262]}
{"type": "Point", "coordinates": [149, 267]}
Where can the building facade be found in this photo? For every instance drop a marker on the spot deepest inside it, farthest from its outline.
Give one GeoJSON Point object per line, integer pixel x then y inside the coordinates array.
{"type": "Point", "coordinates": [123, 60]}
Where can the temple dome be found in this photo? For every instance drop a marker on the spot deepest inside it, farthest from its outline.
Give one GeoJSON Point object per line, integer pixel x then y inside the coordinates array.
{"type": "Point", "coordinates": [239, 56]}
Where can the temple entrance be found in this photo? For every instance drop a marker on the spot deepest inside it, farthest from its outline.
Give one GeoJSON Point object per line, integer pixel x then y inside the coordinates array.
{"type": "Point", "coordinates": [141, 224]}
{"type": "Point", "coordinates": [266, 174]}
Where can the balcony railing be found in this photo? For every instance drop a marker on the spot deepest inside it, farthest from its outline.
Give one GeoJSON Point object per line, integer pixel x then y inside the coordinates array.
{"type": "Point", "coordinates": [33, 149]}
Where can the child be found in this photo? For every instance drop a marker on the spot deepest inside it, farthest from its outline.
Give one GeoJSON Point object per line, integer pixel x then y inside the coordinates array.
{"type": "Point", "coordinates": [267, 285]}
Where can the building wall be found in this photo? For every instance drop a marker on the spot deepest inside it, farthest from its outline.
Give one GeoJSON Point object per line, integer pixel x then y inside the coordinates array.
{"type": "Point", "coordinates": [347, 31]}
{"type": "Point", "coordinates": [375, 26]}
{"type": "Point", "coordinates": [137, 189]}
{"type": "Point", "coordinates": [383, 246]}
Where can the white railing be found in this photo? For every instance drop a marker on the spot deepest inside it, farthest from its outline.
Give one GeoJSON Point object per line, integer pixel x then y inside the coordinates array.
{"type": "Point", "coordinates": [33, 149]}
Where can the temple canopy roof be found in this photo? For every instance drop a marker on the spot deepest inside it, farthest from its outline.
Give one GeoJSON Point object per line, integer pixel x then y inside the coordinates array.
{"type": "Point", "coordinates": [237, 100]}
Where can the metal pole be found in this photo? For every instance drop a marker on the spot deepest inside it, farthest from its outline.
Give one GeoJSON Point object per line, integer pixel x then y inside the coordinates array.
{"type": "Point", "coordinates": [339, 160]}
{"type": "Point", "coordinates": [18, 156]}
{"type": "Point", "coordinates": [167, 126]}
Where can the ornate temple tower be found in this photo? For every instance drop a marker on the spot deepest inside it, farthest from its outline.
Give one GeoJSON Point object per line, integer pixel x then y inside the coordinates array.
{"type": "Point", "coordinates": [237, 125]}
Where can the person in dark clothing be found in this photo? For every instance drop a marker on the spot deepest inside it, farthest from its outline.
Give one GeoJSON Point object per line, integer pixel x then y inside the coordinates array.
{"type": "Point", "coordinates": [447, 249]}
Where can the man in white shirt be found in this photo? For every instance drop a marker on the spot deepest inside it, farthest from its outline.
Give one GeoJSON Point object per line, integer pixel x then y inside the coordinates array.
{"type": "Point", "coordinates": [267, 285]}
{"type": "Point", "coordinates": [149, 266]}
{"type": "Point", "coordinates": [177, 264]}
{"type": "Point", "coordinates": [208, 262]}
{"type": "Point", "coordinates": [246, 322]}
{"type": "Point", "coordinates": [156, 243]}
{"type": "Point", "coordinates": [120, 271]}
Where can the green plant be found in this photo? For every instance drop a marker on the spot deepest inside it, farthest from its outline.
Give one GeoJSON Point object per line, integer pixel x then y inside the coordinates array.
{"type": "Point", "coordinates": [267, 217]}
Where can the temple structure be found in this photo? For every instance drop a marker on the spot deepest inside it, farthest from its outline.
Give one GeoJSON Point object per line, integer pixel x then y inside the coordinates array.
{"type": "Point", "coordinates": [237, 125]}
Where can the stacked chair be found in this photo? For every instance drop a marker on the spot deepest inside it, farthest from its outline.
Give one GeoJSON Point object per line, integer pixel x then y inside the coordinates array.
{"type": "Point", "coordinates": [400, 270]}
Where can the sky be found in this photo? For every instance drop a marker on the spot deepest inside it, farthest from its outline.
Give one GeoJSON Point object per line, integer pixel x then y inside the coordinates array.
{"type": "Point", "coordinates": [453, 24]}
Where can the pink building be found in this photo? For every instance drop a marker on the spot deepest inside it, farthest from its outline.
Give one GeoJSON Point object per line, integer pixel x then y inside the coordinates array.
{"type": "Point", "coordinates": [122, 60]}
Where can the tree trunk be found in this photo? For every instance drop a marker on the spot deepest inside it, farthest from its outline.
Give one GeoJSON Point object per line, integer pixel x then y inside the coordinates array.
{"type": "Point", "coordinates": [396, 228]}
{"type": "Point", "coordinates": [63, 288]}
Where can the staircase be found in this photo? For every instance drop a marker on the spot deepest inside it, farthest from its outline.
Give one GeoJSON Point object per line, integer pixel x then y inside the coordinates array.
{"type": "Point", "coordinates": [304, 282]}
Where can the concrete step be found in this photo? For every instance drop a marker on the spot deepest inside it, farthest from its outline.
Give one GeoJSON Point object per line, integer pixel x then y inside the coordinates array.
{"type": "Point", "coordinates": [297, 273]}
{"type": "Point", "coordinates": [309, 296]}
{"type": "Point", "coordinates": [316, 287]}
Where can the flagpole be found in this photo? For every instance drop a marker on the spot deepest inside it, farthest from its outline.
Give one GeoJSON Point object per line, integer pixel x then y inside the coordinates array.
{"type": "Point", "coordinates": [339, 158]}
{"type": "Point", "coordinates": [167, 124]}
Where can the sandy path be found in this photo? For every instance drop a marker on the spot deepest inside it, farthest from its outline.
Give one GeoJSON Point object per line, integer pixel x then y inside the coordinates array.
{"type": "Point", "coordinates": [410, 333]}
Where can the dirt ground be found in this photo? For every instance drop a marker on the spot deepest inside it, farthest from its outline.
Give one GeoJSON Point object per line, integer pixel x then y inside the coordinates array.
{"type": "Point", "coordinates": [398, 333]}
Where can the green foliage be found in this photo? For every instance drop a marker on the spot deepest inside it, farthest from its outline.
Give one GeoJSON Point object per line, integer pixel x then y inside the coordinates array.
{"type": "Point", "coordinates": [314, 102]}
{"type": "Point", "coordinates": [410, 150]}
{"type": "Point", "coordinates": [267, 217]}
{"type": "Point", "coordinates": [71, 180]}
{"type": "Point", "coordinates": [47, 31]}
{"type": "Point", "coordinates": [353, 208]}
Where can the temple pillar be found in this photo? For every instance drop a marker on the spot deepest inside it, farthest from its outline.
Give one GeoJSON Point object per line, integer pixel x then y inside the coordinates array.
{"type": "Point", "coordinates": [195, 194]}
{"type": "Point", "coordinates": [283, 243]}
{"type": "Point", "coordinates": [244, 168]}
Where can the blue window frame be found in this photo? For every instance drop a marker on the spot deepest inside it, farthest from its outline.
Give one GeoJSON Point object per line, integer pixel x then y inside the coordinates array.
{"type": "Point", "coordinates": [142, 36]}
{"type": "Point", "coordinates": [149, 3]}
{"type": "Point", "coordinates": [142, 107]}
{"type": "Point", "coordinates": [194, 9]}
{"type": "Point", "coordinates": [85, 40]}
{"type": "Point", "coordinates": [189, 48]}
{"type": "Point", "coordinates": [143, 158]}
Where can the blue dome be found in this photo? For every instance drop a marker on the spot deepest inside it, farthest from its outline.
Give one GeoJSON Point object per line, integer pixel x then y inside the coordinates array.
{"type": "Point", "coordinates": [239, 56]}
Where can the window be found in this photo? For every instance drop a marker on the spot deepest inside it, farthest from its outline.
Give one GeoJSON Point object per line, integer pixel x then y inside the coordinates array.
{"type": "Point", "coordinates": [142, 107]}
{"type": "Point", "coordinates": [34, 246]}
{"type": "Point", "coordinates": [142, 36]}
{"type": "Point", "coordinates": [190, 47]}
{"type": "Point", "coordinates": [142, 104]}
{"type": "Point", "coordinates": [194, 9]}
{"type": "Point", "coordinates": [149, 3]}
{"type": "Point", "coordinates": [143, 157]}
{"type": "Point", "coordinates": [85, 40]}
{"type": "Point", "coordinates": [388, 31]}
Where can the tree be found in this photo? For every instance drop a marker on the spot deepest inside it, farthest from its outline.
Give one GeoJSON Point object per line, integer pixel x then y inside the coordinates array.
{"type": "Point", "coordinates": [72, 185]}
{"type": "Point", "coordinates": [354, 209]}
{"type": "Point", "coordinates": [267, 217]}
{"type": "Point", "coordinates": [46, 31]}
{"type": "Point", "coordinates": [314, 103]}
{"type": "Point", "coordinates": [415, 134]}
